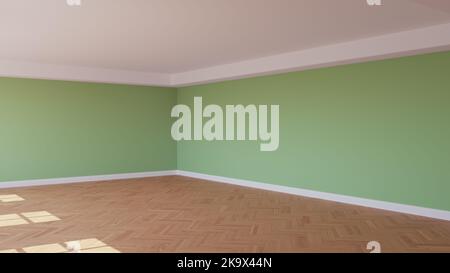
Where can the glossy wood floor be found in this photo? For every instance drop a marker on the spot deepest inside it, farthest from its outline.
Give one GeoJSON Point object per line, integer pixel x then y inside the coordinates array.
{"type": "Point", "coordinates": [178, 214]}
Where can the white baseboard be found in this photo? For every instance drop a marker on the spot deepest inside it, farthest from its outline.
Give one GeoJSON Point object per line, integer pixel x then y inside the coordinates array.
{"type": "Point", "coordinates": [82, 179]}
{"type": "Point", "coordinates": [408, 209]}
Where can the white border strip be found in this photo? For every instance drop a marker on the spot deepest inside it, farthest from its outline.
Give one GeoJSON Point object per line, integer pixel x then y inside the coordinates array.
{"type": "Point", "coordinates": [82, 179]}
{"type": "Point", "coordinates": [417, 41]}
{"type": "Point", "coordinates": [409, 209]}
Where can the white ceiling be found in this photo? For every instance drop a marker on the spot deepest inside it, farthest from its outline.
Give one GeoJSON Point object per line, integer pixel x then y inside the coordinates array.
{"type": "Point", "coordinates": [174, 36]}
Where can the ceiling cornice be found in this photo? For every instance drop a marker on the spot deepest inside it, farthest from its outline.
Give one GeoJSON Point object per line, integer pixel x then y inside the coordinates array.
{"type": "Point", "coordinates": [422, 40]}
{"type": "Point", "coordinates": [404, 43]}
{"type": "Point", "coordinates": [83, 74]}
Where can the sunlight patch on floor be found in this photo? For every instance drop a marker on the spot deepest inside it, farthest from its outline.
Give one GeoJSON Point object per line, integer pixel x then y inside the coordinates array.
{"type": "Point", "coordinates": [40, 216]}
{"type": "Point", "coordinates": [7, 220]}
{"type": "Point", "coordinates": [91, 245]}
{"type": "Point", "coordinates": [49, 248]}
{"type": "Point", "coordinates": [10, 198]}
{"type": "Point", "coordinates": [9, 251]}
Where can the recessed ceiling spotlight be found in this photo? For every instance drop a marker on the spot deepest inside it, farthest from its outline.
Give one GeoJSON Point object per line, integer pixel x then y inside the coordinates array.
{"type": "Point", "coordinates": [73, 2]}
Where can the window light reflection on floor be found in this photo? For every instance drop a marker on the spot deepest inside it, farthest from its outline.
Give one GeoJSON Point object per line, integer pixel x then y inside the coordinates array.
{"type": "Point", "coordinates": [92, 245]}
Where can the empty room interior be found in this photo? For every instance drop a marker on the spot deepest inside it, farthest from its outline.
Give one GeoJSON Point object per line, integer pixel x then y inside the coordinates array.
{"type": "Point", "coordinates": [224, 126]}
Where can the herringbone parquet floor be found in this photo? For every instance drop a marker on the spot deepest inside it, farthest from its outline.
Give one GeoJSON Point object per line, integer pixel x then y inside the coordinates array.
{"type": "Point", "coordinates": [178, 214]}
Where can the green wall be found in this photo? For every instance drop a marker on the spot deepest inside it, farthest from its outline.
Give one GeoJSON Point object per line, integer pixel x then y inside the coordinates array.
{"type": "Point", "coordinates": [378, 130]}
{"type": "Point", "coordinates": [53, 129]}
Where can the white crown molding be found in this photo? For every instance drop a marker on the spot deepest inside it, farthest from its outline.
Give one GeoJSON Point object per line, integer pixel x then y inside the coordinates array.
{"type": "Point", "coordinates": [82, 179]}
{"type": "Point", "coordinates": [422, 40]}
{"type": "Point", "coordinates": [398, 44]}
{"type": "Point", "coordinates": [82, 74]}
{"type": "Point", "coordinates": [408, 209]}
